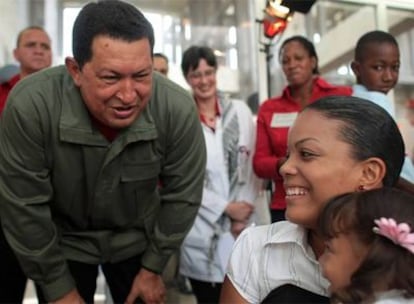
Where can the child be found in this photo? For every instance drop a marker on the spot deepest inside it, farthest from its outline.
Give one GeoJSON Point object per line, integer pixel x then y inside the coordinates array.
{"type": "Point", "coordinates": [369, 254]}
{"type": "Point", "coordinates": [376, 67]}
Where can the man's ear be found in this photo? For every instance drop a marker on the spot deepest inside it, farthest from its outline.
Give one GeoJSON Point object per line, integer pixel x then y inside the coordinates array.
{"type": "Point", "coordinates": [373, 173]}
{"type": "Point", "coordinates": [355, 66]}
{"type": "Point", "coordinates": [73, 69]}
{"type": "Point", "coordinates": [16, 54]}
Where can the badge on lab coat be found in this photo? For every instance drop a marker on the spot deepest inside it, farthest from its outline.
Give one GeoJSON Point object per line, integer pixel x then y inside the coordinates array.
{"type": "Point", "coordinates": [283, 120]}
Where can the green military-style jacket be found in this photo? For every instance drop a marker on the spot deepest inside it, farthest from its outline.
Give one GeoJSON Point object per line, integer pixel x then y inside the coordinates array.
{"type": "Point", "coordinates": [68, 193]}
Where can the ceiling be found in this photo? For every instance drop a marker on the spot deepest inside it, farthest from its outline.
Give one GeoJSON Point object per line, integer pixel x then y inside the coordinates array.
{"type": "Point", "coordinates": [173, 7]}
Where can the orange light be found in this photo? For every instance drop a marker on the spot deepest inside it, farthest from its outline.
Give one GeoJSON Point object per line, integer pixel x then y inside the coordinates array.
{"type": "Point", "coordinates": [410, 104]}
{"type": "Point", "coordinates": [273, 26]}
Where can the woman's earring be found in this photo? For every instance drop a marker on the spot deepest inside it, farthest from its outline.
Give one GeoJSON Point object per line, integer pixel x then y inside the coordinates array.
{"type": "Point", "coordinates": [361, 188]}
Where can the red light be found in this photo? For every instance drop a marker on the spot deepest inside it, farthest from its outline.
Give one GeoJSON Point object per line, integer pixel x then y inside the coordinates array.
{"type": "Point", "coordinates": [273, 26]}
{"type": "Point", "coordinates": [410, 104]}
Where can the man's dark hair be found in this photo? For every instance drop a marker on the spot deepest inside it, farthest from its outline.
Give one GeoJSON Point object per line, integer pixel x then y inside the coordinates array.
{"type": "Point", "coordinates": [160, 55]}
{"type": "Point", "coordinates": [376, 37]}
{"type": "Point", "coordinates": [112, 18]}
{"type": "Point", "coordinates": [193, 55]}
{"type": "Point", "coordinates": [32, 27]}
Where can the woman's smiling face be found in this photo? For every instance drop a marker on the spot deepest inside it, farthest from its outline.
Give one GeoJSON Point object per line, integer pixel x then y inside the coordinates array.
{"type": "Point", "coordinates": [319, 167]}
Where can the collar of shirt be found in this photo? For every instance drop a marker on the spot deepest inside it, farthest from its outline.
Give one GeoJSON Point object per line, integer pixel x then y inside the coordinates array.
{"type": "Point", "coordinates": [287, 232]}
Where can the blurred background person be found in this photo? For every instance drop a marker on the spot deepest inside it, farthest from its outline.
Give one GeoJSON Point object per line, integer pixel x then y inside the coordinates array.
{"type": "Point", "coordinates": [410, 118]}
{"type": "Point", "coordinates": [230, 185]}
{"type": "Point", "coordinates": [33, 52]}
{"type": "Point", "coordinates": [299, 62]}
{"type": "Point", "coordinates": [8, 71]}
{"type": "Point", "coordinates": [376, 66]}
{"type": "Point", "coordinates": [410, 111]}
{"type": "Point", "coordinates": [160, 63]}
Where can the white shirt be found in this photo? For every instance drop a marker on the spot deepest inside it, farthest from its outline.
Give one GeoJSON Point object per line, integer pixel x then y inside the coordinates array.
{"type": "Point", "coordinates": [407, 171]}
{"type": "Point", "coordinates": [203, 257]}
{"type": "Point", "coordinates": [393, 297]}
{"type": "Point", "coordinates": [378, 98]}
{"type": "Point", "coordinates": [269, 256]}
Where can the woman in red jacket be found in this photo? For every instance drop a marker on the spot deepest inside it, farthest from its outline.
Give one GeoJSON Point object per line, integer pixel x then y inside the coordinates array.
{"type": "Point", "coordinates": [299, 62]}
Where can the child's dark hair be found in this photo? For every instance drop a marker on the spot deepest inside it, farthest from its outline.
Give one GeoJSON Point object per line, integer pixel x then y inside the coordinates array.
{"type": "Point", "coordinates": [372, 37]}
{"type": "Point", "coordinates": [387, 265]}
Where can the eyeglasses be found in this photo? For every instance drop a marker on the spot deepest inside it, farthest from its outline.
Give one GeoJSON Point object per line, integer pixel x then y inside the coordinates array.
{"type": "Point", "coordinates": [199, 74]}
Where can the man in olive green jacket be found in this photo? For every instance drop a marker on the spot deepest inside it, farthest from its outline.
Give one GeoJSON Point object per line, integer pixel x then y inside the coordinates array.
{"type": "Point", "coordinates": [101, 163]}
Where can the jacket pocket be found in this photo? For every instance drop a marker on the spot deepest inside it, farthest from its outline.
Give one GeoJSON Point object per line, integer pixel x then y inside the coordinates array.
{"type": "Point", "coordinates": [140, 190]}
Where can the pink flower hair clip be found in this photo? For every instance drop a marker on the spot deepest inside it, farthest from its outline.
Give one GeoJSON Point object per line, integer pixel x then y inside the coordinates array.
{"type": "Point", "coordinates": [400, 234]}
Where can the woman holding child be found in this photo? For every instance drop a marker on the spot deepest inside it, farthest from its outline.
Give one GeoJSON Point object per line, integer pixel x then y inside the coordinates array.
{"type": "Point", "coordinates": [333, 148]}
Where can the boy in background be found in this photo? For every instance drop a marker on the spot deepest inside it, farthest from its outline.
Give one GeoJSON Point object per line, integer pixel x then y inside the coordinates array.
{"type": "Point", "coordinates": [376, 66]}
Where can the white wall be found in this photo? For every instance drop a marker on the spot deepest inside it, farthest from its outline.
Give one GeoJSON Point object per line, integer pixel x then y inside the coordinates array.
{"type": "Point", "coordinates": [13, 19]}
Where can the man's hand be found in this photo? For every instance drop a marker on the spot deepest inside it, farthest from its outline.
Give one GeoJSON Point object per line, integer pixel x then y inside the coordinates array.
{"type": "Point", "coordinates": [148, 286]}
{"type": "Point", "coordinates": [237, 227]}
{"type": "Point", "coordinates": [73, 297]}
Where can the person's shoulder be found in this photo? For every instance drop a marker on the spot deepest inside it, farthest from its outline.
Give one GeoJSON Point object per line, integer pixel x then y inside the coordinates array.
{"type": "Point", "coordinates": [42, 78]}
{"type": "Point", "coordinates": [242, 107]}
{"type": "Point", "coordinates": [40, 89]}
{"type": "Point", "coordinates": [272, 104]}
{"type": "Point", "coordinates": [361, 91]}
{"type": "Point", "coordinates": [333, 89]}
{"type": "Point", "coordinates": [275, 232]}
{"type": "Point", "coordinates": [392, 297]}
{"type": "Point", "coordinates": [163, 88]}
{"type": "Point", "coordinates": [170, 105]}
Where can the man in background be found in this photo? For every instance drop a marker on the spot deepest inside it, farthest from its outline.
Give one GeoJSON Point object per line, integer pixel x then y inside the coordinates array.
{"type": "Point", "coordinates": [160, 63]}
{"type": "Point", "coordinates": [33, 52]}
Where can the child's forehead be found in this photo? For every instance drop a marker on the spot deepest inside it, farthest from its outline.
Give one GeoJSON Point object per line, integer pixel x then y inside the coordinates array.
{"type": "Point", "coordinates": [379, 48]}
{"type": "Point", "coordinates": [376, 46]}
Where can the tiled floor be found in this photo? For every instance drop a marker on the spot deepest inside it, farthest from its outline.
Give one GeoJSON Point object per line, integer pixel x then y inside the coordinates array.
{"type": "Point", "coordinates": [173, 296]}
{"type": "Point", "coordinates": [102, 295]}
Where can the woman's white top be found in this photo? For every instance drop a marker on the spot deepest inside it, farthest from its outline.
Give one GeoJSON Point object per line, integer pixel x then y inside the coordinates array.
{"type": "Point", "coordinates": [269, 256]}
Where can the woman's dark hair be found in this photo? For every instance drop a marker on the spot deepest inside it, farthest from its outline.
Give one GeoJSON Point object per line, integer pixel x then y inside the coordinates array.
{"type": "Point", "coordinates": [368, 128]}
{"type": "Point", "coordinates": [387, 265]}
{"type": "Point", "coordinates": [112, 18]}
{"type": "Point", "coordinates": [307, 45]}
{"type": "Point", "coordinates": [193, 55]}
